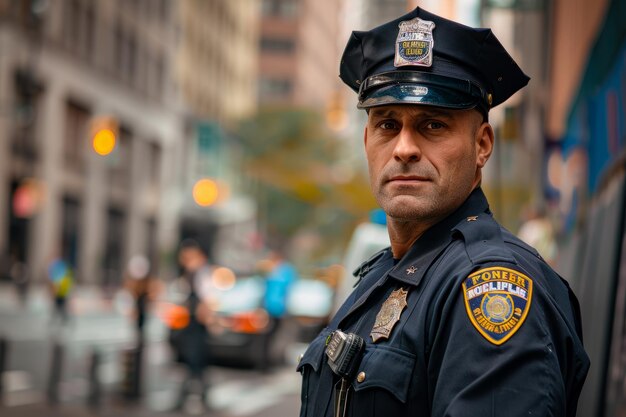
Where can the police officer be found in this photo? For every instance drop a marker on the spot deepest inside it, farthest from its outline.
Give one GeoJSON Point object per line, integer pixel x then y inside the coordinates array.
{"type": "Point", "coordinates": [458, 317]}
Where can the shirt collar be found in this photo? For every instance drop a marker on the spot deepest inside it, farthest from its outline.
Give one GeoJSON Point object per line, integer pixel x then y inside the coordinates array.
{"type": "Point", "coordinates": [413, 265]}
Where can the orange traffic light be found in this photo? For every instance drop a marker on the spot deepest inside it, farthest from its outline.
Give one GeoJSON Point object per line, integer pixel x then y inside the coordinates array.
{"type": "Point", "coordinates": [103, 134]}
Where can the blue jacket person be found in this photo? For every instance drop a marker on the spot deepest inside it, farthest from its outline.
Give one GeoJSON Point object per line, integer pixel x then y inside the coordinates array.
{"type": "Point", "coordinates": [458, 317]}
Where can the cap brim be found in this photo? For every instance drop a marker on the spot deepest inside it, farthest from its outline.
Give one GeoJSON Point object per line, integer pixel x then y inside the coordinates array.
{"type": "Point", "coordinates": [424, 94]}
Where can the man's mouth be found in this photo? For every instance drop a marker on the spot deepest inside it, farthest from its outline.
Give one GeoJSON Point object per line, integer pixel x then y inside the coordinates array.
{"type": "Point", "coordinates": [407, 179]}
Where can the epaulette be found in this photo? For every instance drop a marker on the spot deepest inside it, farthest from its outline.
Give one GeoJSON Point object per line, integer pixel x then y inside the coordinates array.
{"type": "Point", "coordinates": [365, 267]}
{"type": "Point", "coordinates": [483, 239]}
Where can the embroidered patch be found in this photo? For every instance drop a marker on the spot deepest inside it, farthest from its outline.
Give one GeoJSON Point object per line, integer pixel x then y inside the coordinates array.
{"type": "Point", "coordinates": [497, 301]}
{"type": "Point", "coordinates": [389, 314]}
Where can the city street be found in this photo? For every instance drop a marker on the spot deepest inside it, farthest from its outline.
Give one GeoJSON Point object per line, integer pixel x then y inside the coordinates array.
{"type": "Point", "coordinates": [98, 331]}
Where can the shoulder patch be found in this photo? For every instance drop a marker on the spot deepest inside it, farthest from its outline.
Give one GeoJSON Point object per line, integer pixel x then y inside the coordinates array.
{"type": "Point", "coordinates": [497, 301]}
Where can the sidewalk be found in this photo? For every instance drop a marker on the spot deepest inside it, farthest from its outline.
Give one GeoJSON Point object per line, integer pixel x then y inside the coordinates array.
{"type": "Point", "coordinates": [99, 325]}
{"type": "Point", "coordinates": [65, 410]}
{"type": "Point", "coordinates": [84, 299]}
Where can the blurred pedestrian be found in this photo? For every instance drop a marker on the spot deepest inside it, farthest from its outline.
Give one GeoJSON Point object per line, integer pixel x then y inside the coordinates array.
{"type": "Point", "coordinates": [192, 315]}
{"type": "Point", "coordinates": [143, 288]}
{"type": "Point", "coordinates": [458, 317]}
{"type": "Point", "coordinates": [279, 276]}
{"type": "Point", "coordinates": [60, 282]}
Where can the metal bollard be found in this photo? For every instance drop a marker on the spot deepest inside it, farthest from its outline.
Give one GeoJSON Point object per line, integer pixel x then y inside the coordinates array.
{"type": "Point", "coordinates": [93, 398]}
{"type": "Point", "coordinates": [132, 370]}
{"type": "Point", "coordinates": [54, 378]}
{"type": "Point", "coordinates": [4, 350]}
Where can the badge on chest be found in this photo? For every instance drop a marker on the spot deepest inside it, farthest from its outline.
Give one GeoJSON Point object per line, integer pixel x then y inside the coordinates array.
{"type": "Point", "coordinates": [389, 315]}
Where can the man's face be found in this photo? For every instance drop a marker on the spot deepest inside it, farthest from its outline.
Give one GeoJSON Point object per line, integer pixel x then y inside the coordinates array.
{"type": "Point", "coordinates": [424, 161]}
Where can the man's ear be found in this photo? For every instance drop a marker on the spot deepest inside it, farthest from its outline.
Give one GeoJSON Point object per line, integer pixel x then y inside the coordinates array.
{"type": "Point", "coordinates": [365, 136]}
{"type": "Point", "coordinates": [484, 144]}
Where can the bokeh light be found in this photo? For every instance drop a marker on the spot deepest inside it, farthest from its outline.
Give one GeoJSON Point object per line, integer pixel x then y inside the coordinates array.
{"type": "Point", "coordinates": [223, 278]}
{"type": "Point", "coordinates": [28, 198]}
{"type": "Point", "coordinates": [205, 192]}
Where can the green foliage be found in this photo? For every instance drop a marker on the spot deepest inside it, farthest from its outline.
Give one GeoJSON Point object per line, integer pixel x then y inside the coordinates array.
{"type": "Point", "coordinates": [289, 158]}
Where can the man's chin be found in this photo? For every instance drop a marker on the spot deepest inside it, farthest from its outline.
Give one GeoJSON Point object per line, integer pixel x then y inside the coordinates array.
{"type": "Point", "coordinates": [406, 208]}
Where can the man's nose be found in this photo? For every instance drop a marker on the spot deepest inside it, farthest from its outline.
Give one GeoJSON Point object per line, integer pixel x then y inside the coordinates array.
{"type": "Point", "coordinates": [406, 149]}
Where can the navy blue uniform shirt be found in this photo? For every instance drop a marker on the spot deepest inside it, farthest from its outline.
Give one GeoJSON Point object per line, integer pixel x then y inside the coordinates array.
{"type": "Point", "coordinates": [489, 329]}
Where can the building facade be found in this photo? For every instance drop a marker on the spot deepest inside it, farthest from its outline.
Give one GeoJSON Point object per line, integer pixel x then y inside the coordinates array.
{"type": "Point", "coordinates": [216, 60]}
{"type": "Point", "coordinates": [216, 68]}
{"type": "Point", "coordinates": [69, 67]}
{"type": "Point", "coordinates": [299, 51]}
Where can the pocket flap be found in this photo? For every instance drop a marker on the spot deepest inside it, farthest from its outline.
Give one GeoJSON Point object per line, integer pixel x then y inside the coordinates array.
{"type": "Point", "coordinates": [387, 368]}
{"type": "Point", "coordinates": [315, 352]}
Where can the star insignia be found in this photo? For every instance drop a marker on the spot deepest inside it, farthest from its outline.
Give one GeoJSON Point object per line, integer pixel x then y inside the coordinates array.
{"type": "Point", "coordinates": [472, 218]}
{"type": "Point", "coordinates": [411, 270]}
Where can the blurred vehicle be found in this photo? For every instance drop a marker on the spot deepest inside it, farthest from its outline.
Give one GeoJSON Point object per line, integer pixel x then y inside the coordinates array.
{"type": "Point", "coordinates": [240, 324]}
{"type": "Point", "coordinates": [367, 239]}
{"type": "Point", "coordinates": [310, 304]}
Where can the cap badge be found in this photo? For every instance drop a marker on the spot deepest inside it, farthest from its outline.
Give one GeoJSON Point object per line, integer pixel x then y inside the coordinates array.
{"type": "Point", "coordinates": [389, 314]}
{"type": "Point", "coordinates": [414, 44]}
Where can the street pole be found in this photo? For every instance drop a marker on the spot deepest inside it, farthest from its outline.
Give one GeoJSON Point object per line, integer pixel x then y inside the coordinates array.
{"type": "Point", "coordinates": [54, 378]}
{"type": "Point", "coordinates": [4, 344]}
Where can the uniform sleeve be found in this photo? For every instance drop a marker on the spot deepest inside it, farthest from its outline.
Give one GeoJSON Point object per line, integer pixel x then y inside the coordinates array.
{"type": "Point", "coordinates": [472, 374]}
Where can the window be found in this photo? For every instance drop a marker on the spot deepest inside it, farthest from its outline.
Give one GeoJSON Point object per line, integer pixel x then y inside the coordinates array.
{"type": "Point", "coordinates": [71, 226]}
{"type": "Point", "coordinates": [284, 8]}
{"type": "Point", "coordinates": [289, 8]}
{"type": "Point", "coordinates": [27, 91]}
{"type": "Point", "coordinates": [120, 160]}
{"type": "Point", "coordinates": [76, 136]}
{"type": "Point", "coordinates": [155, 165]}
{"type": "Point", "coordinates": [113, 251]}
{"type": "Point", "coordinates": [164, 10]}
{"type": "Point", "coordinates": [275, 88]}
{"type": "Point", "coordinates": [79, 26]}
{"type": "Point", "coordinates": [158, 79]}
{"type": "Point", "coordinates": [280, 45]}
{"type": "Point", "coordinates": [125, 53]}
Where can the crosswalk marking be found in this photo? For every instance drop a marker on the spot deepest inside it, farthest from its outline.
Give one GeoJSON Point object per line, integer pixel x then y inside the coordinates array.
{"type": "Point", "coordinates": [16, 380]}
{"type": "Point", "coordinates": [19, 398]}
{"type": "Point", "coordinates": [242, 398]}
{"type": "Point", "coordinates": [19, 390]}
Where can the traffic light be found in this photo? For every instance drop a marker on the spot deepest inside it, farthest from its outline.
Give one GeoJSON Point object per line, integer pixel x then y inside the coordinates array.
{"type": "Point", "coordinates": [104, 131]}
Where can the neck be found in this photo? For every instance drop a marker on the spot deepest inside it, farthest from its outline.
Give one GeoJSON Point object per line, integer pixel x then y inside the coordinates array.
{"type": "Point", "coordinates": [403, 234]}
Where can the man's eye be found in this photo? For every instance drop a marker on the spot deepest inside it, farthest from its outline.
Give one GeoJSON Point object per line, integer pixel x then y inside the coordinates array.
{"type": "Point", "coordinates": [388, 125]}
{"type": "Point", "coordinates": [434, 125]}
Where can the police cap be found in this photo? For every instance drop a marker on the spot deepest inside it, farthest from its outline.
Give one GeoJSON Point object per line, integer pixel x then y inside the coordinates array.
{"type": "Point", "coordinates": [422, 58]}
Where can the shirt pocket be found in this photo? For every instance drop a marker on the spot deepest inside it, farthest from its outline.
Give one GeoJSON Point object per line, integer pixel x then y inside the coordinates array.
{"type": "Point", "coordinates": [382, 383]}
{"type": "Point", "coordinates": [314, 353]}
{"type": "Point", "coordinates": [310, 367]}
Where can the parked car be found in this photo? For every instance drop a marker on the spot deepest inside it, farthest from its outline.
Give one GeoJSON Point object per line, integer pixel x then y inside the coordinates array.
{"type": "Point", "coordinates": [240, 326]}
{"type": "Point", "coordinates": [310, 304]}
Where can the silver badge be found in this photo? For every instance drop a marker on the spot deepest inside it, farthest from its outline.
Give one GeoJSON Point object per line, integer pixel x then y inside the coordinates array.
{"type": "Point", "coordinates": [389, 315]}
{"type": "Point", "coordinates": [414, 44]}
